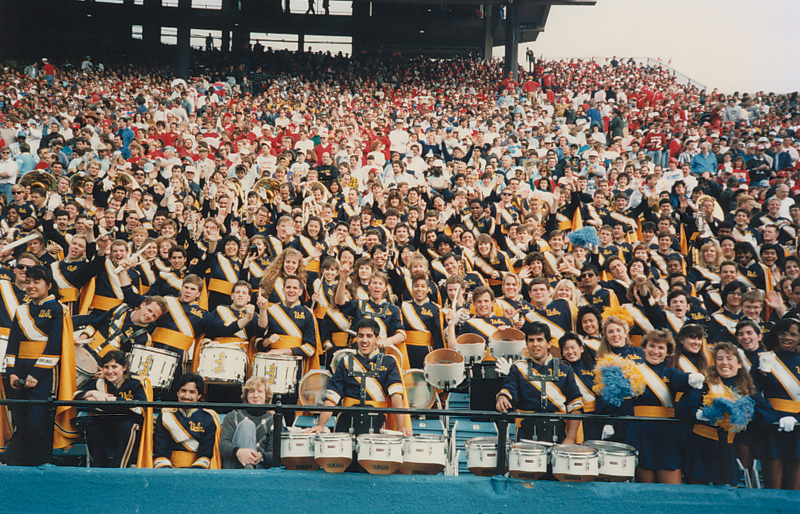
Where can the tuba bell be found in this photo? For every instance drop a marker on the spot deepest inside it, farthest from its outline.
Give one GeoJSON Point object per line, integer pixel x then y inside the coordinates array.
{"type": "Point", "coordinates": [40, 179]}
{"type": "Point", "coordinates": [77, 183]}
{"type": "Point", "coordinates": [266, 188]}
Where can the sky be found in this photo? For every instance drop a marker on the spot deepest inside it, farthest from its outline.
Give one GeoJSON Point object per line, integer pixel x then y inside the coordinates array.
{"type": "Point", "coordinates": [732, 45]}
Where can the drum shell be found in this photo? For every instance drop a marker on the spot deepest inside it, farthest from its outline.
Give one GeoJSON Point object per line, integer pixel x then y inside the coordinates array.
{"type": "Point", "coordinates": [424, 455]}
{"type": "Point", "coordinates": [574, 463]}
{"type": "Point", "coordinates": [528, 461]}
{"type": "Point", "coordinates": [616, 461]}
{"type": "Point", "coordinates": [333, 452]}
{"type": "Point", "coordinates": [297, 451]}
{"type": "Point", "coordinates": [380, 454]}
{"type": "Point", "coordinates": [472, 347]}
{"type": "Point", "coordinates": [507, 343]}
{"type": "Point", "coordinates": [157, 364]}
{"type": "Point", "coordinates": [85, 366]}
{"type": "Point", "coordinates": [222, 364]}
{"type": "Point", "coordinates": [279, 370]}
{"type": "Point", "coordinates": [482, 456]}
{"type": "Point", "coordinates": [444, 368]}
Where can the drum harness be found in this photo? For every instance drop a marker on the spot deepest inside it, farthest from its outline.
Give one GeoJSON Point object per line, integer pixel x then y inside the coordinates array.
{"type": "Point", "coordinates": [115, 330]}
{"type": "Point", "coordinates": [383, 312]}
{"type": "Point", "coordinates": [362, 377]}
{"type": "Point", "coordinates": [543, 380]}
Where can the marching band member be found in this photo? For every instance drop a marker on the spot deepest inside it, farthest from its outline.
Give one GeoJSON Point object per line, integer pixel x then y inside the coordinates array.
{"type": "Point", "coordinates": [288, 264]}
{"type": "Point", "coordinates": [582, 362]}
{"type": "Point", "coordinates": [114, 437]}
{"type": "Point", "coordinates": [558, 314]}
{"type": "Point", "coordinates": [522, 390]}
{"type": "Point", "coordinates": [107, 292]}
{"type": "Point", "coordinates": [40, 360]}
{"type": "Point", "coordinates": [221, 269]}
{"type": "Point", "coordinates": [589, 323]}
{"type": "Point", "coordinates": [256, 262]}
{"type": "Point", "coordinates": [187, 438]}
{"type": "Point", "coordinates": [722, 325]}
{"type": "Point", "coordinates": [73, 272]}
{"type": "Point", "coordinates": [423, 322]}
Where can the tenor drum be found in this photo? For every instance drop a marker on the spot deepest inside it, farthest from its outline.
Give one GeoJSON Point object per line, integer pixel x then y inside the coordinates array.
{"type": "Point", "coordinates": [528, 460]}
{"type": "Point", "coordinates": [444, 368]}
{"type": "Point", "coordinates": [154, 363]}
{"type": "Point", "coordinates": [472, 347]}
{"type": "Point", "coordinates": [616, 461]}
{"type": "Point", "coordinates": [507, 343]}
{"type": "Point", "coordinates": [339, 355]}
{"type": "Point", "coordinates": [333, 452]}
{"type": "Point", "coordinates": [297, 451]}
{"type": "Point", "coordinates": [574, 463]}
{"type": "Point", "coordinates": [279, 370]}
{"type": "Point", "coordinates": [313, 387]}
{"type": "Point", "coordinates": [380, 454]}
{"type": "Point", "coordinates": [222, 364]}
{"type": "Point", "coordinates": [424, 455]}
{"type": "Point", "coordinates": [482, 456]}
{"type": "Point", "coordinates": [421, 394]}
{"type": "Point", "coordinates": [85, 365]}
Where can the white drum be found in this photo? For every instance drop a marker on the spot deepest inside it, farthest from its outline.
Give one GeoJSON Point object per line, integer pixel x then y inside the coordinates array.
{"type": "Point", "coordinates": [444, 368]}
{"type": "Point", "coordinates": [85, 365]}
{"type": "Point", "coordinates": [279, 370]}
{"type": "Point", "coordinates": [313, 387]}
{"type": "Point", "coordinates": [472, 347]}
{"type": "Point", "coordinates": [574, 463]}
{"type": "Point", "coordinates": [333, 452]}
{"type": "Point", "coordinates": [223, 364]}
{"type": "Point", "coordinates": [421, 394]}
{"type": "Point", "coordinates": [616, 461]}
{"type": "Point", "coordinates": [482, 456]}
{"type": "Point", "coordinates": [297, 451]}
{"type": "Point", "coordinates": [424, 455]}
{"type": "Point", "coordinates": [507, 343]}
{"type": "Point", "coordinates": [338, 356]}
{"type": "Point", "coordinates": [3, 351]}
{"type": "Point", "coordinates": [380, 454]}
{"type": "Point", "coordinates": [528, 460]}
{"type": "Point", "coordinates": [154, 363]}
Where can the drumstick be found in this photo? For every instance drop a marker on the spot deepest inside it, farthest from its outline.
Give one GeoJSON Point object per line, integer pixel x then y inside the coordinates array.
{"type": "Point", "coordinates": [20, 242]}
{"type": "Point", "coordinates": [136, 256]}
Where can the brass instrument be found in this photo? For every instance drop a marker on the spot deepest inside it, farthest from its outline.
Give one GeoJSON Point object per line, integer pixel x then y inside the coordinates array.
{"type": "Point", "coordinates": [34, 179]}
{"type": "Point", "coordinates": [266, 188]}
{"type": "Point", "coordinates": [123, 179]}
{"type": "Point", "coordinates": [77, 183]}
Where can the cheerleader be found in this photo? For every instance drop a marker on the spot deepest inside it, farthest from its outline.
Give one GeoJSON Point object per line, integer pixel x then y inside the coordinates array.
{"type": "Point", "coordinates": [491, 263]}
{"type": "Point", "coordinates": [588, 323]}
{"type": "Point", "coordinates": [582, 362]}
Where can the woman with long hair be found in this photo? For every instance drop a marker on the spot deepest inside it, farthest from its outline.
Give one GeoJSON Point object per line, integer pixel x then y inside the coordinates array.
{"type": "Point", "coordinates": [705, 273]}
{"type": "Point", "coordinates": [289, 262]}
{"type": "Point", "coordinates": [582, 362]}
{"type": "Point", "coordinates": [491, 263]}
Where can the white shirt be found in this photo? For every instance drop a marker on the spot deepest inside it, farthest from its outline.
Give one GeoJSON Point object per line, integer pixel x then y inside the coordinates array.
{"type": "Point", "coordinates": [8, 166]}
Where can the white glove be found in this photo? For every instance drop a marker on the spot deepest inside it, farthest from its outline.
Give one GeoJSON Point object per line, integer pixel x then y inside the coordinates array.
{"type": "Point", "coordinates": [463, 315]}
{"type": "Point", "coordinates": [212, 191]}
{"type": "Point", "coordinates": [608, 432]}
{"type": "Point", "coordinates": [503, 366]}
{"type": "Point", "coordinates": [696, 380]}
{"type": "Point", "coordinates": [787, 423]}
{"type": "Point", "coordinates": [767, 362]}
{"type": "Point", "coordinates": [700, 416]}
{"type": "Point", "coordinates": [53, 202]}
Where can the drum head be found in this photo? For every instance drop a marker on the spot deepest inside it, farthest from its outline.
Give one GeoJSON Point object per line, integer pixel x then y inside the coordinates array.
{"type": "Point", "coordinates": [313, 387]}
{"type": "Point", "coordinates": [84, 360]}
{"type": "Point", "coordinates": [392, 350]}
{"type": "Point", "coordinates": [611, 447]}
{"type": "Point", "coordinates": [444, 356]}
{"type": "Point", "coordinates": [420, 393]}
{"type": "Point", "coordinates": [508, 334]}
{"type": "Point", "coordinates": [338, 356]}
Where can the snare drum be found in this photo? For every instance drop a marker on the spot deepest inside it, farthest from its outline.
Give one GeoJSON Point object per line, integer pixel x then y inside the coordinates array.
{"type": "Point", "coordinates": [222, 364]}
{"type": "Point", "coordinates": [339, 355]}
{"type": "Point", "coordinates": [154, 363]}
{"type": "Point", "coordinates": [507, 343]}
{"type": "Point", "coordinates": [528, 460]}
{"type": "Point", "coordinates": [3, 351]}
{"type": "Point", "coordinates": [444, 368]}
{"type": "Point", "coordinates": [333, 452]}
{"type": "Point", "coordinates": [279, 370]}
{"type": "Point", "coordinates": [85, 365]}
{"type": "Point", "coordinates": [297, 451]}
{"type": "Point", "coordinates": [313, 387]}
{"type": "Point", "coordinates": [574, 463]}
{"type": "Point", "coordinates": [421, 394]}
{"type": "Point", "coordinates": [380, 454]}
{"type": "Point", "coordinates": [424, 455]}
{"type": "Point", "coordinates": [482, 456]}
{"type": "Point", "coordinates": [616, 461]}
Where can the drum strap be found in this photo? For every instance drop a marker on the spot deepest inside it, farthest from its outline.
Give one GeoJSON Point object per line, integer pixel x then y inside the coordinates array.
{"type": "Point", "coordinates": [115, 329]}
{"type": "Point", "coordinates": [364, 376]}
{"type": "Point", "coordinates": [383, 312]}
{"type": "Point", "coordinates": [543, 379]}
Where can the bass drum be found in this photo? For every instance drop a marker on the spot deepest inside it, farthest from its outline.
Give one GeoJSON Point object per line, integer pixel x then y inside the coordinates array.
{"type": "Point", "coordinates": [85, 365]}
{"type": "Point", "coordinates": [338, 356]}
{"type": "Point", "coordinates": [313, 387]}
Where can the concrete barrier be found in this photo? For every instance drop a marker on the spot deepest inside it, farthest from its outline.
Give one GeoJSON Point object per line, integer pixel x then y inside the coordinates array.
{"type": "Point", "coordinates": [71, 490]}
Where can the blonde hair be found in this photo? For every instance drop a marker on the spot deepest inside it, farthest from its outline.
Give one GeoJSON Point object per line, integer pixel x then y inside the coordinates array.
{"type": "Point", "coordinates": [252, 384]}
{"type": "Point", "coordinates": [573, 291]}
{"type": "Point", "coordinates": [613, 320]}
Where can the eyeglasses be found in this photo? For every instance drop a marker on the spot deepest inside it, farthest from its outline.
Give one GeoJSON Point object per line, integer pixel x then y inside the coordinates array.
{"type": "Point", "coordinates": [587, 275]}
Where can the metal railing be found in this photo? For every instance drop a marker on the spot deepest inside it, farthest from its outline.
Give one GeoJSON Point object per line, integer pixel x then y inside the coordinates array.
{"type": "Point", "coordinates": [279, 410]}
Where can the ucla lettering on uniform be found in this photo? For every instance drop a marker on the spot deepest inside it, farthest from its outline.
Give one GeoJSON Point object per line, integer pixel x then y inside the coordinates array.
{"type": "Point", "coordinates": [196, 427]}
{"type": "Point", "coordinates": [426, 312]}
{"type": "Point", "coordinates": [299, 315]}
{"type": "Point", "coordinates": [45, 313]}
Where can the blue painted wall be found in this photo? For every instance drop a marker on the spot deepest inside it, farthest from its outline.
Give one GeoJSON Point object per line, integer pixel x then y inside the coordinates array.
{"type": "Point", "coordinates": [73, 490]}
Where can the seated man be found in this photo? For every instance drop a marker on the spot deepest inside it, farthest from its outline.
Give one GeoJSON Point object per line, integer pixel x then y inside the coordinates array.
{"type": "Point", "coordinates": [382, 381]}
{"type": "Point", "coordinates": [523, 389]}
{"type": "Point", "coordinates": [185, 438]}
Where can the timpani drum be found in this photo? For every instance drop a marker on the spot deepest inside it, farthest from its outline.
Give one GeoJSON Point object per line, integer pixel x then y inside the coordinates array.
{"type": "Point", "coordinates": [528, 460]}
{"type": "Point", "coordinates": [472, 347]}
{"type": "Point", "coordinates": [333, 452]}
{"type": "Point", "coordinates": [424, 455]}
{"type": "Point", "coordinates": [616, 461]}
{"type": "Point", "coordinates": [313, 387]}
{"type": "Point", "coordinates": [507, 343]}
{"type": "Point", "coordinates": [154, 363]}
{"type": "Point", "coordinates": [297, 451]}
{"type": "Point", "coordinates": [444, 368]}
{"type": "Point", "coordinates": [85, 366]}
{"type": "Point", "coordinates": [574, 463]}
{"type": "Point", "coordinates": [380, 454]}
{"type": "Point", "coordinates": [222, 364]}
{"type": "Point", "coordinates": [421, 395]}
{"type": "Point", "coordinates": [279, 370]}
{"type": "Point", "coordinates": [482, 456]}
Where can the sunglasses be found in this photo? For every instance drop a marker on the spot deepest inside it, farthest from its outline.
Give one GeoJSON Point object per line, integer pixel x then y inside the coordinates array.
{"type": "Point", "coordinates": [587, 275]}
{"type": "Point", "coordinates": [22, 266]}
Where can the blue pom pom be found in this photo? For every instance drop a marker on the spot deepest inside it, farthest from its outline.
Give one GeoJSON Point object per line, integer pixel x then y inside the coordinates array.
{"type": "Point", "coordinates": [585, 237]}
{"type": "Point", "coordinates": [616, 386]}
{"type": "Point", "coordinates": [740, 411]}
